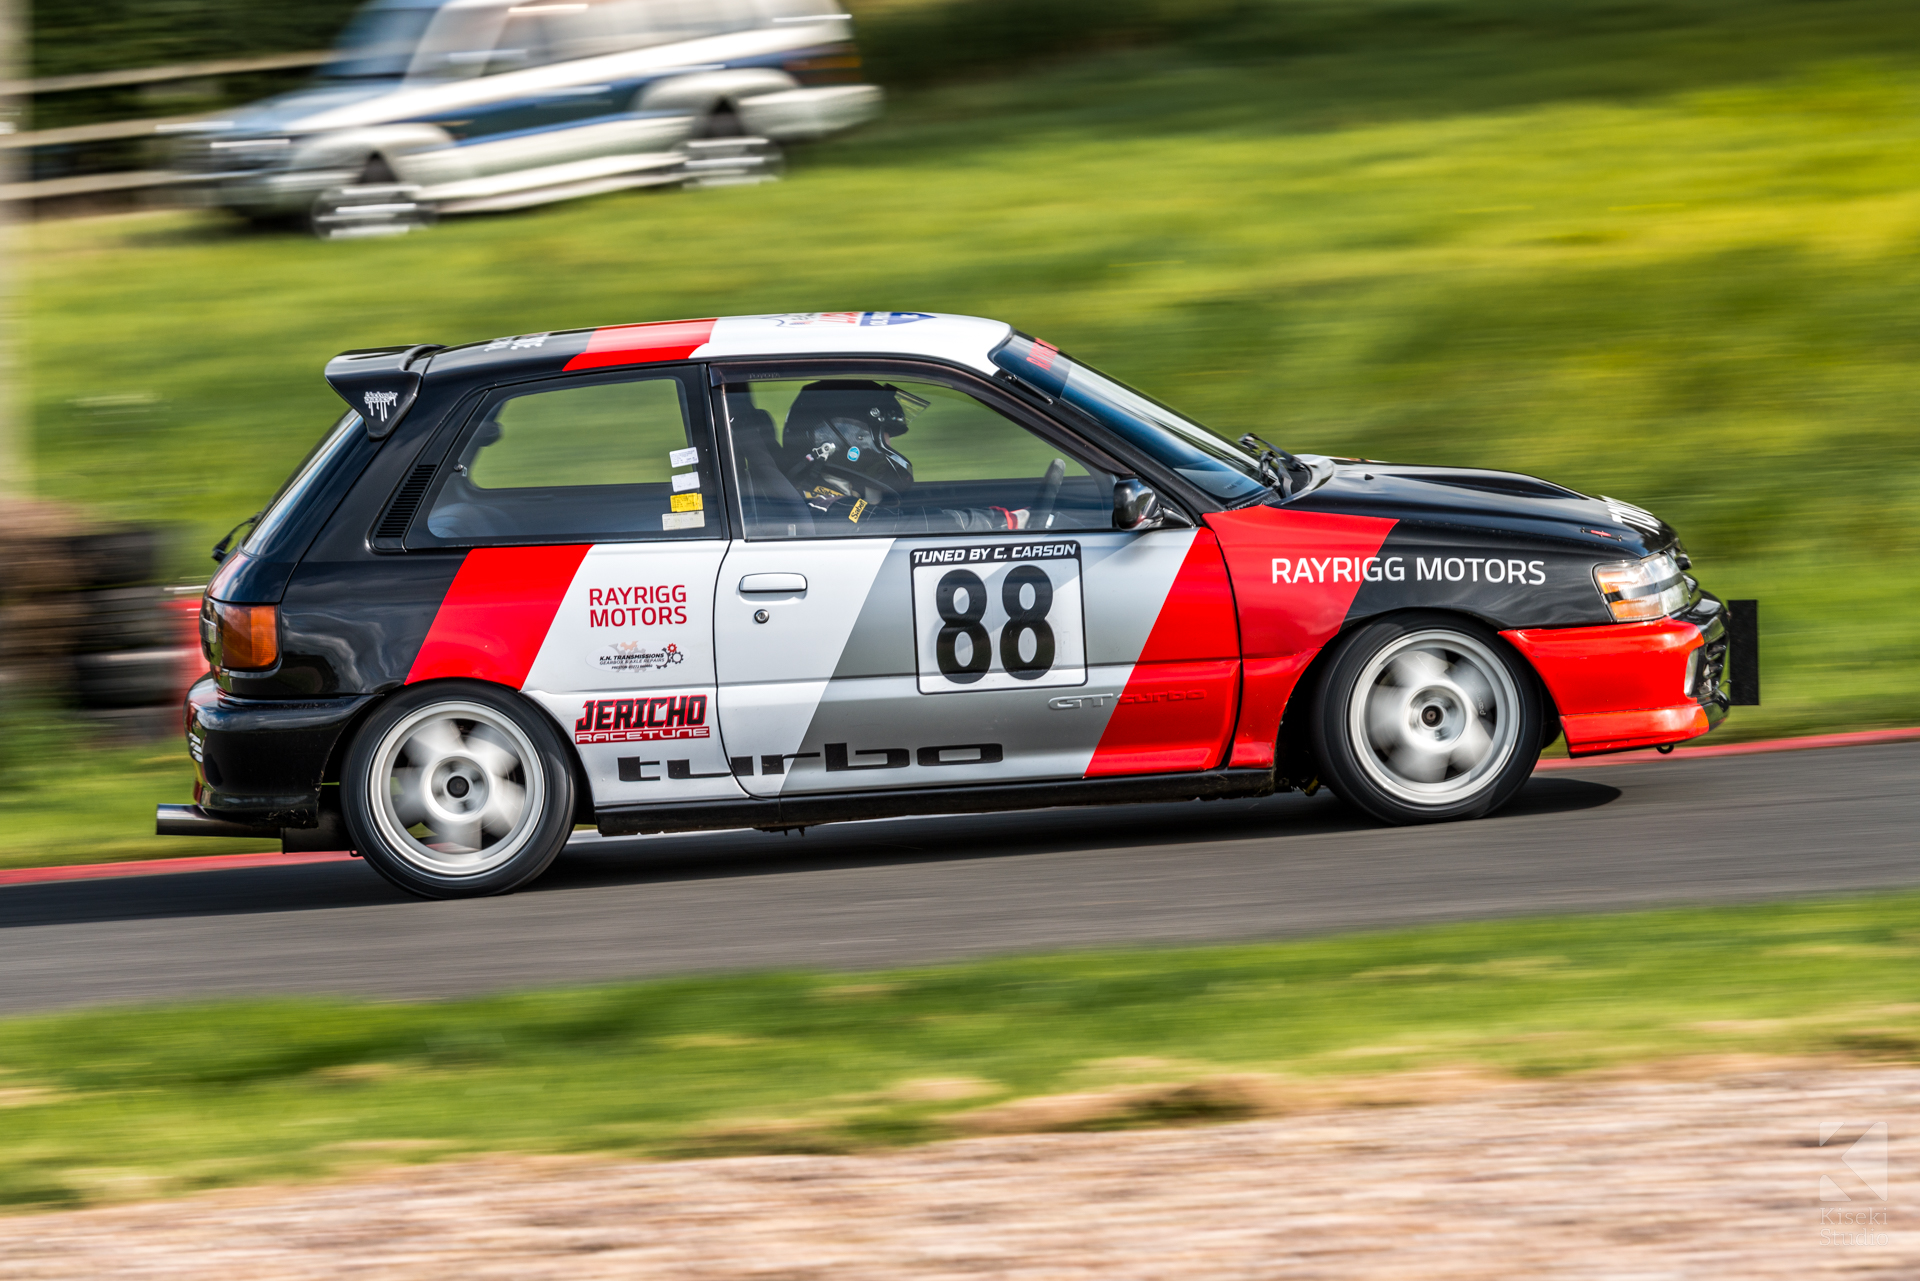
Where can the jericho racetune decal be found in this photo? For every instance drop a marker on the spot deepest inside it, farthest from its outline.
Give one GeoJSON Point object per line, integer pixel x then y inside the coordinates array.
{"type": "Point", "coordinates": [640, 720]}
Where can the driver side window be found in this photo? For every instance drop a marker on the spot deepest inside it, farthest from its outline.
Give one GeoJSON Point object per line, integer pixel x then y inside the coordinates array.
{"type": "Point", "coordinates": [841, 458]}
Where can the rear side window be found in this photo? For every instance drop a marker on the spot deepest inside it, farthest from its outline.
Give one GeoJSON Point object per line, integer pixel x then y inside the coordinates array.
{"type": "Point", "coordinates": [614, 461]}
{"type": "Point", "coordinates": [338, 458]}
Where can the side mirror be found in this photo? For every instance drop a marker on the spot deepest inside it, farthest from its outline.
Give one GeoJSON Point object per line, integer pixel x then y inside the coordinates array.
{"type": "Point", "coordinates": [1136, 508]}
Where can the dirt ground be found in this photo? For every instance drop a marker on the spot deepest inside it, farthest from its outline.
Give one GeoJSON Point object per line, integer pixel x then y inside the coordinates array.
{"type": "Point", "coordinates": [1620, 1177]}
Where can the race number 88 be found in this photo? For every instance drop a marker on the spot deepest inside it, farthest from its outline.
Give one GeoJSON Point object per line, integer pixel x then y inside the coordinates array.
{"type": "Point", "coordinates": [1021, 619]}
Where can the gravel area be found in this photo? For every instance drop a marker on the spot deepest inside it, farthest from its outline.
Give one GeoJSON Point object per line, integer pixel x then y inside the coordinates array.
{"type": "Point", "coordinates": [1620, 1177]}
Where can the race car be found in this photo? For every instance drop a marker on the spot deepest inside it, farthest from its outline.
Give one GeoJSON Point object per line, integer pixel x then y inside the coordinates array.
{"type": "Point", "coordinates": [783, 570]}
{"type": "Point", "coordinates": [468, 106]}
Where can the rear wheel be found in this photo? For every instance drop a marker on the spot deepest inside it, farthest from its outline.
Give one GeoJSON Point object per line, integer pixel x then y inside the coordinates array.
{"type": "Point", "coordinates": [1424, 718]}
{"type": "Point", "coordinates": [458, 789]}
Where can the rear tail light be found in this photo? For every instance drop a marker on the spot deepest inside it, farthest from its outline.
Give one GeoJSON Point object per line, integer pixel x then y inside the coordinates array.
{"type": "Point", "coordinates": [239, 638]}
{"type": "Point", "coordinates": [1639, 590]}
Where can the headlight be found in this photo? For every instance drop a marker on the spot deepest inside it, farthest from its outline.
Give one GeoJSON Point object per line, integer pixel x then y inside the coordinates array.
{"type": "Point", "coordinates": [1638, 590]}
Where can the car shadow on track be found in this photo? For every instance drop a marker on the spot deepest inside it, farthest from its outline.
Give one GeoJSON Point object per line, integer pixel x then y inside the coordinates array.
{"type": "Point", "coordinates": [591, 862]}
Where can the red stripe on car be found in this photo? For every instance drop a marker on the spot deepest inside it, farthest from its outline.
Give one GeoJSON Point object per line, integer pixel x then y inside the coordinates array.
{"type": "Point", "coordinates": [642, 344]}
{"type": "Point", "coordinates": [1177, 710]}
{"type": "Point", "coordinates": [1286, 618]}
{"type": "Point", "coordinates": [496, 615]}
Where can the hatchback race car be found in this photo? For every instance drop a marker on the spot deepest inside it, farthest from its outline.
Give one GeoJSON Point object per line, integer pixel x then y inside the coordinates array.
{"type": "Point", "coordinates": [777, 571]}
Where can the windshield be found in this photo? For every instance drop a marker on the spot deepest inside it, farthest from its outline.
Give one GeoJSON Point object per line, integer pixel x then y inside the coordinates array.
{"type": "Point", "coordinates": [379, 42]}
{"type": "Point", "coordinates": [1220, 469]}
{"type": "Point", "coordinates": [287, 502]}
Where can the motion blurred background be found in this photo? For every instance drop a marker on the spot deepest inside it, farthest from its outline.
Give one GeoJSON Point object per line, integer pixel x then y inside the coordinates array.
{"type": "Point", "coordinates": [1664, 250]}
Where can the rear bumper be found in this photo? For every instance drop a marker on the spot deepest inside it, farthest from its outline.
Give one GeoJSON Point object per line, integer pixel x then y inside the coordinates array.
{"type": "Point", "coordinates": [260, 764]}
{"type": "Point", "coordinates": [1626, 685]}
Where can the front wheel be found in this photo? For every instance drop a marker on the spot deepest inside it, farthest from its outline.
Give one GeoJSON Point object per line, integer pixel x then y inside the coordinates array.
{"type": "Point", "coordinates": [1425, 718]}
{"type": "Point", "coordinates": [458, 789]}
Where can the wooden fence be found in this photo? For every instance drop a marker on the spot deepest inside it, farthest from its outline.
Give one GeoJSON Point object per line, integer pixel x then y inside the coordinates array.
{"type": "Point", "coordinates": [127, 181]}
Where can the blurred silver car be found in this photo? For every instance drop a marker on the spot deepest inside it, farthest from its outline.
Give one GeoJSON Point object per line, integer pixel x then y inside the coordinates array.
{"type": "Point", "coordinates": [468, 105]}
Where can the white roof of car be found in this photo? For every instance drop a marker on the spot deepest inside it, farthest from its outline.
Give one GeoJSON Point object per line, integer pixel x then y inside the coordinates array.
{"type": "Point", "coordinates": [966, 340]}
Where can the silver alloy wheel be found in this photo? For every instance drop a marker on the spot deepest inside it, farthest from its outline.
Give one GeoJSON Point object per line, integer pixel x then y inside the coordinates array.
{"type": "Point", "coordinates": [456, 789]}
{"type": "Point", "coordinates": [1434, 718]}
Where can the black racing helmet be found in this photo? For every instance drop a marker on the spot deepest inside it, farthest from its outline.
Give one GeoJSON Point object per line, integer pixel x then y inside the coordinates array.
{"type": "Point", "coordinates": [843, 428]}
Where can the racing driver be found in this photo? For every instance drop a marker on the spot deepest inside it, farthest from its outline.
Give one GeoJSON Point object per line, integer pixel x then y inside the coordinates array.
{"type": "Point", "coordinates": [838, 446]}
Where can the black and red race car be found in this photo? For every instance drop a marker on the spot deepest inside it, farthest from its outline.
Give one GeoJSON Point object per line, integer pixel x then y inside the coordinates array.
{"type": "Point", "coordinates": [775, 571]}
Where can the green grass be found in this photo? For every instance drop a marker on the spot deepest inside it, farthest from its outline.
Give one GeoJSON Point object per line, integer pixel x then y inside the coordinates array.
{"type": "Point", "coordinates": [97, 807]}
{"type": "Point", "coordinates": [1668, 252]}
{"type": "Point", "coordinates": [161, 1100]}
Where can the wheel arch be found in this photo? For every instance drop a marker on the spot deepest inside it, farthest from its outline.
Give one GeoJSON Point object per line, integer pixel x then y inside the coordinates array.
{"type": "Point", "coordinates": [1293, 754]}
{"type": "Point", "coordinates": [342, 745]}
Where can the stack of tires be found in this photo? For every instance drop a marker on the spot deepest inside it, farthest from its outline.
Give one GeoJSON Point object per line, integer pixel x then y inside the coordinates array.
{"type": "Point", "coordinates": [85, 629]}
{"type": "Point", "coordinates": [135, 649]}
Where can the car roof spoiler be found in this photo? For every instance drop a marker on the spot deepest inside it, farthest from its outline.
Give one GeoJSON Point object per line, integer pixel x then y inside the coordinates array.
{"type": "Point", "coordinates": [378, 383]}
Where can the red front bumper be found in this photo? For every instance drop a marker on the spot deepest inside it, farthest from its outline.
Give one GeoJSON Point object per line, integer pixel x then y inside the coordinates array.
{"type": "Point", "coordinates": [1626, 685]}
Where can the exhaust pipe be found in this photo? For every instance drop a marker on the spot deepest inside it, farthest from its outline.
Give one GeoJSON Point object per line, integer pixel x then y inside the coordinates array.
{"type": "Point", "coordinates": [191, 820]}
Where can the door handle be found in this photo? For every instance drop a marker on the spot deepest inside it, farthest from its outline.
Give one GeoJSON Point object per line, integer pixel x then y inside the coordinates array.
{"type": "Point", "coordinates": [774, 583]}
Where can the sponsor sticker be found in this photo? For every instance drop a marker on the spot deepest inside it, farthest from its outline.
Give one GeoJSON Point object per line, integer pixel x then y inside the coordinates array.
{"type": "Point", "coordinates": [1296, 571]}
{"type": "Point", "coordinates": [863, 319]}
{"type": "Point", "coordinates": [686, 480]}
{"type": "Point", "coordinates": [525, 342]}
{"type": "Point", "coordinates": [646, 606]}
{"type": "Point", "coordinates": [684, 457]}
{"type": "Point", "coordinates": [380, 403]}
{"type": "Point", "coordinates": [683, 520]}
{"type": "Point", "coordinates": [643, 720]}
{"type": "Point", "coordinates": [998, 616]}
{"type": "Point", "coordinates": [636, 657]}
{"type": "Point", "coordinates": [686, 503]}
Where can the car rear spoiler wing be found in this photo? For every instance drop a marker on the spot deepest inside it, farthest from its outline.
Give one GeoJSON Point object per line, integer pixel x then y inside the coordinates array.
{"type": "Point", "coordinates": [378, 383]}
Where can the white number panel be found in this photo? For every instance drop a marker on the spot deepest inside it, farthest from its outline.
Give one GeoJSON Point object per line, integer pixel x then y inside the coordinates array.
{"type": "Point", "coordinates": [998, 616]}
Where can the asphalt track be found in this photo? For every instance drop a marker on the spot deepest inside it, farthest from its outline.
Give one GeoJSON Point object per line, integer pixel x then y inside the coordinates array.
{"type": "Point", "coordinates": [1723, 829]}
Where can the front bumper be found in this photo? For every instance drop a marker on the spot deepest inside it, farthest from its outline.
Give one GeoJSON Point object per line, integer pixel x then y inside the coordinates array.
{"type": "Point", "coordinates": [1625, 685]}
{"type": "Point", "coordinates": [262, 193]}
{"type": "Point", "coordinates": [262, 763]}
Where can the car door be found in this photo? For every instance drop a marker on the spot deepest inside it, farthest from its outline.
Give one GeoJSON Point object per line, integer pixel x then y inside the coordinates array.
{"type": "Point", "coordinates": [529, 109]}
{"type": "Point", "coordinates": [590, 509]}
{"type": "Point", "coordinates": [986, 625]}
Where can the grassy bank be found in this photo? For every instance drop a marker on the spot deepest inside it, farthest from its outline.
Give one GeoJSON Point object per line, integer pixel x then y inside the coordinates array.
{"type": "Point", "coordinates": [1665, 252]}
{"type": "Point", "coordinates": [157, 1101]}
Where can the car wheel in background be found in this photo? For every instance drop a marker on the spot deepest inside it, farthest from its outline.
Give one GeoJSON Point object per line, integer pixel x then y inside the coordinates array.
{"type": "Point", "coordinates": [458, 789]}
{"type": "Point", "coordinates": [1426, 717]}
{"type": "Point", "coordinates": [722, 122]}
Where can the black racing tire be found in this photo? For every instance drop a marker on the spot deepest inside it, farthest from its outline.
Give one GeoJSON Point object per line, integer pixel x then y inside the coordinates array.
{"type": "Point", "coordinates": [722, 122]}
{"type": "Point", "coordinates": [1425, 718]}
{"type": "Point", "coordinates": [458, 789]}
